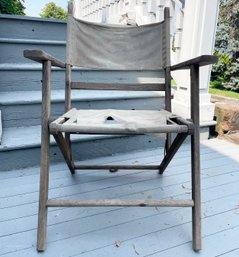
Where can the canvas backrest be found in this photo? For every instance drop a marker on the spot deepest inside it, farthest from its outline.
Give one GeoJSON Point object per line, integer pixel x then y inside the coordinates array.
{"type": "Point", "coordinates": [116, 47]}
{"type": "Point", "coordinates": [116, 57]}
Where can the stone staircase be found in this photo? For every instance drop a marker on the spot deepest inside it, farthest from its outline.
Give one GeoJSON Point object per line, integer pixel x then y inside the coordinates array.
{"type": "Point", "coordinates": [20, 96]}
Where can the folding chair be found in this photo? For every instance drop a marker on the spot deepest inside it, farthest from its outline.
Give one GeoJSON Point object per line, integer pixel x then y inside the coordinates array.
{"type": "Point", "coordinates": [122, 48]}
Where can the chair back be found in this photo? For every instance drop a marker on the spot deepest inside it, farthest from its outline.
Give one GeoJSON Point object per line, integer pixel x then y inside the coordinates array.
{"type": "Point", "coordinates": [119, 57]}
{"type": "Point", "coordinates": [118, 47]}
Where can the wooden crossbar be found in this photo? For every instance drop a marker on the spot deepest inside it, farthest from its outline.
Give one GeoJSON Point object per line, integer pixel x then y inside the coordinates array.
{"type": "Point", "coordinates": [118, 86]}
{"type": "Point", "coordinates": [123, 167]}
{"type": "Point", "coordinates": [113, 130]}
{"type": "Point", "coordinates": [119, 203]}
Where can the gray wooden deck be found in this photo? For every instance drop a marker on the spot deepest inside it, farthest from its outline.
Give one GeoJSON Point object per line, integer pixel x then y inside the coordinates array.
{"type": "Point", "coordinates": [89, 232]}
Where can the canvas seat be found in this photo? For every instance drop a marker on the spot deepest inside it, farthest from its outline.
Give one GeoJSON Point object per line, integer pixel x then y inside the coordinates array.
{"type": "Point", "coordinates": [140, 58]}
{"type": "Point", "coordinates": [114, 121]}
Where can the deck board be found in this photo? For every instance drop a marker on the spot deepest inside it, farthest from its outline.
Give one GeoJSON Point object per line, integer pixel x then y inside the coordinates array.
{"type": "Point", "coordinates": [89, 232]}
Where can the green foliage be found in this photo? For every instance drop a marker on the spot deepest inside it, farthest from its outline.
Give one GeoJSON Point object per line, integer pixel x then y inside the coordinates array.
{"type": "Point", "coordinates": [12, 7]}
{"type": "Point", "coordinates": [51, 10]}
{"type": "Point", "coordinates": [225, 72]}
{"type": "Point", "coordinates": [219, 69]}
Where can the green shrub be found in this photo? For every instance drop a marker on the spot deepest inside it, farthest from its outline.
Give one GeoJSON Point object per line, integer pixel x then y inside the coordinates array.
{"type": "Point", "coordinates": [225, 74]}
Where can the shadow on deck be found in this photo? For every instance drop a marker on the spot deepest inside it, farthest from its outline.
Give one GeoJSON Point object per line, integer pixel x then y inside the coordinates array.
{"type": "Point", "coordinates": [90, 232]}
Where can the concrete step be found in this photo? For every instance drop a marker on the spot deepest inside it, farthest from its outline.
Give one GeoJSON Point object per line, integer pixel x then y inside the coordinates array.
{"type": "Point", "coordinates": [27, 76]}
{"type": "Point", "coordinates": [23, 108]}
{"type": "Point", "coordinates": [31, 28]}
{"type": "Point", "coordinates": [24, 77]}
{"type": "Point", "coordinates": [12, 49]}
{"type": "Point", "coordinates": [21, 147]}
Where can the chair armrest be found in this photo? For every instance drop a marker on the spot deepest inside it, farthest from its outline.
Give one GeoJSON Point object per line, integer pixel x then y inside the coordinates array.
{"type": "Point", "coordinates": [40, 56]}
{"type": "Point", "coordinates": [200, 60]}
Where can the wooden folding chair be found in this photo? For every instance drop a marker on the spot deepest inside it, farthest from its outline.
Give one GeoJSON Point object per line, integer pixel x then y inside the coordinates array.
{"type": "Point", "coordinates": [132, 49]}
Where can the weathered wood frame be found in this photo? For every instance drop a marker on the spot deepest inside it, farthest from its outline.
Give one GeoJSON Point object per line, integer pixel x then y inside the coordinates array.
{"type": "Point", "coordinates": [171, 148]}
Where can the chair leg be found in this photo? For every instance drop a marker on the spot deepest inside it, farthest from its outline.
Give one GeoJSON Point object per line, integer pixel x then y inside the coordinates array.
{"type": "Point", "coordinates": [196, 194]}
{"type": "Point", "coordinates": [65, 150]}
{"type": "Point", "coordinates": [44, 182]}
{"type": "Point", "coordinates": [168, 141]}
{"type": "Point", "coordinates": [195, 158]}
{"type": "Point", "coordinates": [179, 139]}
{"type": "Point", "coordinates": [45, 157]}
{"type": "Point", "coordinates": [68, 142]}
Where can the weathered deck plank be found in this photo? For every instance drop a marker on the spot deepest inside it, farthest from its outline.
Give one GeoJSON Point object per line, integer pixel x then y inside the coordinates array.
{"type": "Point", "coordinates": [90, 232]}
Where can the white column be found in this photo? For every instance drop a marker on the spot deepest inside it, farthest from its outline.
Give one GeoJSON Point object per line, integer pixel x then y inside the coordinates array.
{"type": "Point", "coordinates": [160, 10]}
{"type": "Point", "coordinates": [104, 11]}
{"type": "Point", "coordinates": [152, 9]}
{"type": "Point", "coordinates": [77, 12]}
{"type": "Point", "coordinates": [198, 37]}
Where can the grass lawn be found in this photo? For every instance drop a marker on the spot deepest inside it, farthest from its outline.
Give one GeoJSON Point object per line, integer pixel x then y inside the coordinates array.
{"type": "Point", "coordinates": [215, 91]}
